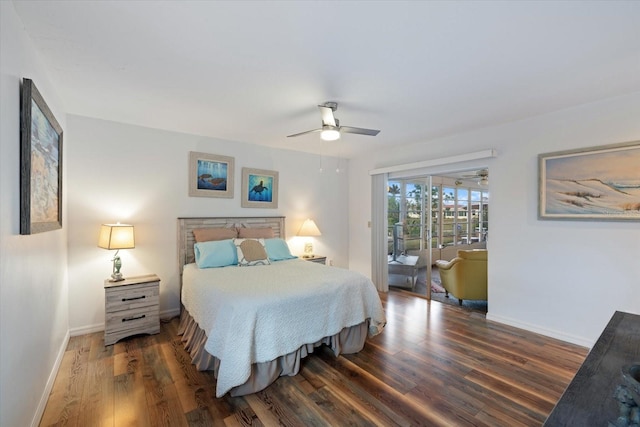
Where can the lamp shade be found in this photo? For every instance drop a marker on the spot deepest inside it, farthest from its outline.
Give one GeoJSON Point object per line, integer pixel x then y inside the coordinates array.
{"type": "Point", "coordinates": [116, 236]}
{"type": "Point", "coordinates": [309, 228]}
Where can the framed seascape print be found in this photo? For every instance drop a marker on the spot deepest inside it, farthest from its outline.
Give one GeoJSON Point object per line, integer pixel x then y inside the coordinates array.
{"type": "Point", "coordinates": [259, 188]}
{"type": "Point", "coordinates": [40, 164]}
{"type": "Point", "coordinates": [210, 175]}
{"type": "Point", "coordinates": [598, 183]}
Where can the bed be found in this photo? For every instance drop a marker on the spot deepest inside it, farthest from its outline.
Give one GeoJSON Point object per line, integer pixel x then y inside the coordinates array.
{"type": "Point", "coordinates": [253, 324]}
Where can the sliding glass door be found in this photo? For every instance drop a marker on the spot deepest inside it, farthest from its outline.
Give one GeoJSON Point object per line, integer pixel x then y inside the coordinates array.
{"type": "Point", "coordinates": [430, 218]}
{"type": "Point", "coordinates": [409, 233]}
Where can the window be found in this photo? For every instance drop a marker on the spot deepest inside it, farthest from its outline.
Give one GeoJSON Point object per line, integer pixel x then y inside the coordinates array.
{"type": "Point", "coordinates": [414, 221]}
{"type": "Point", "coordinates": [394, 197]}
{"type": "Point", "coordinates": [436, 215]}
{"type": "Point", "coordinates": [462, 217]}
{"type": "Point", "coordinates": [459, 214]}
{"type": "Point", "coordinates": [405, 202]}
{"type": "Point", "coordinates": [448, 209]}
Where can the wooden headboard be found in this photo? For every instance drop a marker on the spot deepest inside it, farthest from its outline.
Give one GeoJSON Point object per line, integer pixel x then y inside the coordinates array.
{"type": "Point", "coordinates": [187, 225]}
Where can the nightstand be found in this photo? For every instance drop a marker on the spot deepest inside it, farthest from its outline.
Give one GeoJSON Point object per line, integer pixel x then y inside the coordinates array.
{"type": "Point", "coordinates": [317, 259]}
{"type": "Point", "coordinates": [132, 306]}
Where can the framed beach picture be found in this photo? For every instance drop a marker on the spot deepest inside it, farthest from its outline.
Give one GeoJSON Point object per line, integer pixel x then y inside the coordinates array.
{"type": "Point", "coordinates": [210, 175]}
{"type": "Point", "coordinates": [259, 188]}
{"type": "Point", "coordinates": [40, 164]}
{"type": "Point", "coordinates": [598, 183]}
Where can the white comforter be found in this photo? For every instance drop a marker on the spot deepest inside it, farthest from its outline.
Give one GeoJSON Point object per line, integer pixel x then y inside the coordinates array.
{"type": "Point", "coordinates": [256, 314]}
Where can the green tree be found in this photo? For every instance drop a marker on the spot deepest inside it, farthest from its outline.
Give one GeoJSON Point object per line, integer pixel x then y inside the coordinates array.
{"type": "Point", "coordinates": [413, 223]}
{"type": "Point", "coordinates": [393, 204]}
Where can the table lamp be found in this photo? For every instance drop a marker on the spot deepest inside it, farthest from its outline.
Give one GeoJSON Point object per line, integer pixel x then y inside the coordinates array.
{"type": "Point", "coordinates": [116, 236]}
{"type": "Point", "coordinates": [309, 229]}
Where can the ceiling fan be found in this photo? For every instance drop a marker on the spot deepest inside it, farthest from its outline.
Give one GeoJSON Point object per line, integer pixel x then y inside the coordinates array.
{"type": "Point", "coordinates": [482, 176]}
{"type": "Point", "coordinates": [331, 129]}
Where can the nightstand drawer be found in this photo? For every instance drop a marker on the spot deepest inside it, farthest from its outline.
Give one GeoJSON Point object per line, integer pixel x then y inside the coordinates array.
{"type": "Point", "coordinates": [132, 319]}
{"type": "Point", "coordinates": [123, 324]}
{"type": "Point", "coordinates": [132, 297]}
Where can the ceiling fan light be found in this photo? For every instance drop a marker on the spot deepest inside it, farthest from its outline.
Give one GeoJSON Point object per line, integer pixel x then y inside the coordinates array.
{"type": "Point", "coordinates": [484, 181]}
{"type": "Point", "coordinates": [329, 133]}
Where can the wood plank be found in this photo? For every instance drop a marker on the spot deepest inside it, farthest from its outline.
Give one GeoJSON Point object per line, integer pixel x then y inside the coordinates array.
{"type": "Point", "coordinates": [416, 412]}
{"type": "Point", "coordinates": [317, 372]}
{"type": "Point", "coordinates": [129, 394]}
{"type": "Point", "coordinates": [98, 393]}
{"type": "Point", "coordinates": [163, 403]}
{"type": "Point", "coordinates": [199, 417]}
{"type": "Point", "coordinates": [434, 364]}
{"type": "Point", "coordinates": [65, 399]}
{"type": "Point", "coordinates": [265, 410]}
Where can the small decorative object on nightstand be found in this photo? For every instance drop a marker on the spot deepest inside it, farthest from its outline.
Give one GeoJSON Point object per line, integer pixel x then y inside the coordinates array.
{"type": "Point", "coordinates": [132, 306]}
{"type": "Point", "coordinates": [316, 258]}
{"type": "Point", "coordinates": [309, 229]}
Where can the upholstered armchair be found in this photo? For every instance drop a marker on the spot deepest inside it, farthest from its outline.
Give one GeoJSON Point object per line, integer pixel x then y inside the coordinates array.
{"type": "Point", "coordinates": [465, 276]}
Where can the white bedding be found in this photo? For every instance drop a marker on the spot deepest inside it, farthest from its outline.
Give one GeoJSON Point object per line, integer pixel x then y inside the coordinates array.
{"type": "Point", "coordinates": [256, 314]}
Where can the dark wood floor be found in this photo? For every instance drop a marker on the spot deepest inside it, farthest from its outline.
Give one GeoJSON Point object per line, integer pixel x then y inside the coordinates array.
{"type": "Point", "coordinates": [434, 364]}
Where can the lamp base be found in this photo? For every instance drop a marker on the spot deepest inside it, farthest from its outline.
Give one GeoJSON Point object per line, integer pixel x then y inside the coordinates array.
{"type": "Point", "coordinates": [116, 277]}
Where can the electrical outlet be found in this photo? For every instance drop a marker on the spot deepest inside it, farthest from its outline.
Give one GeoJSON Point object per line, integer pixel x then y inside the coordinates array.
{"type": "Point", "coordinates": [331, 262]}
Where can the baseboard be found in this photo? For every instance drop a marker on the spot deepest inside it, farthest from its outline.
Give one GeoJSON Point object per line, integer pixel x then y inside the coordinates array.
{"type": "Point", "coordinates": [170, 314]}
{"type": "Point", "coordinates": [49, 385]}
{"type": "Point", "coordinates": [542, 331]}
{"type": "Point", "coordinates": [84, 330]}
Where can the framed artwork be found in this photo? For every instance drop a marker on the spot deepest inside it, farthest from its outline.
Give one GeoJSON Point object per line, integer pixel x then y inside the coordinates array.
{"type": "Point", "coordinates": [259, 188]}
{"type": "Point", "coordinates": [210, 175]}
{"type": "Point", "coordinates": [597, 183]}
{"type": "Point", "coordinates": [40, 164]}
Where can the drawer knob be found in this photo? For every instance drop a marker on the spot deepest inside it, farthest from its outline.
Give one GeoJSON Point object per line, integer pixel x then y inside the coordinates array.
{"type": "Point", "coordinates": [127, 319]}
{"type": "Point", "coordinates": [134, 298]}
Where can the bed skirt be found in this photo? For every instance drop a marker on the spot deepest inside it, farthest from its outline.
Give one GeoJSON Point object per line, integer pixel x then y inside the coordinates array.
{"type": "Point", "coordinates": [349, 340]}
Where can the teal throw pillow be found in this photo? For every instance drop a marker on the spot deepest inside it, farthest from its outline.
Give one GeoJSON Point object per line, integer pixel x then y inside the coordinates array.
{"type": "Point", "coordinates": [216, 253]}
{"type": "Point", "coordinates": [277, 249]}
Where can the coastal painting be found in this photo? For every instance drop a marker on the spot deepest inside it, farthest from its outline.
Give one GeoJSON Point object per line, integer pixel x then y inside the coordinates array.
{"type": "Point", "coordinates": [598, 183]}
{"type": "Point", "coordinates": [41, 164]}
{"type": "Point", "coordinates": [259, 188]}
{"type": "Point", "coordinates": [210, 175]}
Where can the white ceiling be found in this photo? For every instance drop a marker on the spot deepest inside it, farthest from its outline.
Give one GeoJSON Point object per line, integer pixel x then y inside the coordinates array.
{"type": "Point", "coordinates": [254, 71]}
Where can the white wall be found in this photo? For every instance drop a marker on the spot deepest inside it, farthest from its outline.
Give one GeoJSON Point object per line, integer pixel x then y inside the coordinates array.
{"type": "Point", "coordinates": [33, 282]}
{"type": "Point", "coordinates": [131, 174]}
{"type": "Point", "coordinates": [564, 279]}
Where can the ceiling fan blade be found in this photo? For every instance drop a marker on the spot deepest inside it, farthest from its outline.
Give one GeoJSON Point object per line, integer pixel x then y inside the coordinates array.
{"type": "Point", "coordinates": [360, 131]}
{"type": "Point", "coordinates": [327, 115]}
{"type": "Point", "coordinates": [330, 123]}
{"type": "Point", "coordinates": [304, 133]}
